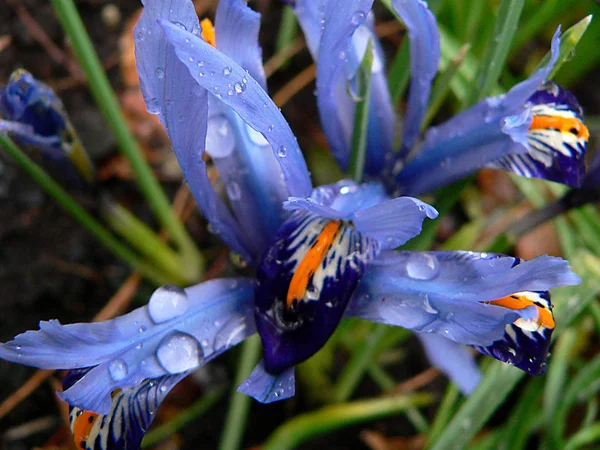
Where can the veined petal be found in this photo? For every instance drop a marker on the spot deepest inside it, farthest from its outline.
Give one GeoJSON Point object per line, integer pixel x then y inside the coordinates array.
{"type": "Point", "coordinates": [424, 61]}
{"type": "Point", "coordinates": [452, 293]}
{"type": "Point", "coordinates": [485, 133]}
{"type": "Point", "coordinates": [236, 28]}
{"type": "Point", "coordinates": [171, 93]}
{"type": "Point", "coordinates": [178, 331]}
{"type": "Point", "coordinates": [557, 139]}
{"type": "Point", "coordinates": [393, 222]}
{"type": "Point", "coordinates": [453, 359]}
{"type": "Point", "coordinates": [246, 97]}
{"type": "Point", "coordinates": [267, 388]}
{"type": "Point", "coordinates": [131, 413]}
{"type": "Point", "coordinates": [305, 281]}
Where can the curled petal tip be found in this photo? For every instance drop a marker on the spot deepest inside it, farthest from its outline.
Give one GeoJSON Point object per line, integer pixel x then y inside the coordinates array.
{"type": "Point", "coordinates": [267, 388]}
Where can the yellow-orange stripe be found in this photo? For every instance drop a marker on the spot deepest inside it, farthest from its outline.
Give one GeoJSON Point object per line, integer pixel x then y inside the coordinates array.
{"type": "Point", "coordinates": [208, 32]}
{"type": "Point", "coordinates": [311, 261]}
{"type": "Point", "coordinates": [82, 427]}
{"type": "Point", "coordinates": [522, 302]}
{"type": "Point", "coordinates": [564, 124]}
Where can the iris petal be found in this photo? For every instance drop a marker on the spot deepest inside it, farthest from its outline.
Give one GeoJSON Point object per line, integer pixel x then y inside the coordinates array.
{"type": "Point", "coordinates": [267, 388]}
{"type": "Point", "coordinates": [172, 93]}
{"type": "Point", "coordinates": [445, 292]}
{"type": "Point", "coordinates": [246, 97]}
{"type": "Point", "coordinates": [178, 331]}
{"type": "Point", "coordinates": [453, 359]}
{"type": "Point", "coordinates": [236, 28]}
{"type": "Point", "coordinates": [424, 61]}
{"type": "Point", "coordinates": [492, 129]}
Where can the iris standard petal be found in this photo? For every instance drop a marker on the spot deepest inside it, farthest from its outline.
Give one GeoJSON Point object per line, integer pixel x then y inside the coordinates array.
{"type": "Point", "coordinates": [178, 331]}
{"type": "Point", "coordinates": [340, 19]}
{"type": "Point", "coordinates": [393, 222]}
{"type": "Point", "coordinates": [131, 414]}
{"type": "Point", "coordinates": [490, 131]}
{"type": "Point", "coordinates": [453, 359]}
{"type": "Point", "coordinates": [172, 94]}
{"type": "Point", "coordinates": [450, 293]}
{"type": "Point", "coordinates": [424, 61]}
{"type": "Point", "coordinates": [246, 97]}
{"type": "Point", "coordinates": [236, 29]}
{"type": "Point", "coordinates": [267, 388]}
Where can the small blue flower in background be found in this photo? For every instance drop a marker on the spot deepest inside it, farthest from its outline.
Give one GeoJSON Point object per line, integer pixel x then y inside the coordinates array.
{"type": "Point", "coordinates": [321, 253]}
{"type": "Point", "coordinates": [31, 112]}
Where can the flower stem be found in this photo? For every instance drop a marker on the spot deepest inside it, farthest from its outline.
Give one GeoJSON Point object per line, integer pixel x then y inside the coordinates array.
{"type": "Point", "coordinates": [79, 214]}
{"type": "Point", "coordinates": [294, 432]}
{"type": "Point", "coordinates": [239, 404]}
{"type": "Point", "coordinates": [102, 92]}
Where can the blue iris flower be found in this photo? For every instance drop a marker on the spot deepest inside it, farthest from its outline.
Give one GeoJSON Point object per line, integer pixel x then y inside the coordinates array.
{"type": "Point", "coordinates": [321, 253]}
{"type": "Point", "coordinates": [35, 117]}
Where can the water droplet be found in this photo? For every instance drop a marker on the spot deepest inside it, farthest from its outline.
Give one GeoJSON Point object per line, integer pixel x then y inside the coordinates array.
{"type": "Point", "coordinates": [204, 342]}
{"type": "Point", "coordinates": [180, 25]}
{"type": "Point", "coordinates": [153, 106]}
{"type": "Point", "coordinates": [256, 137]}
{"type": "Point", "coordinates": [422, 266]}
{"type": "Point", "coordinates": [358, 17]}
{"type": "Point", "coordinates": [271, 128]}
{"type": "Point", "coordinates": [163, 388]}
{"type": "Point", "coordinates": [118, 369]}
{"type": "Point", "coordinates": [139, 346]}
{"type": "Point", "coordinates": [179, 352]}
{"type": "Point", "coordinates": [343, 54]}
{"type": "Point", "coordinates": [232, 332]}
{"type": "Point", "coordinates": [282, 151]}
{"type": "Point", "coordinates": [160, 74]}
{"type": "Point", "coordinates": [234, 191]}
{"type": "Point", "coordinates": [239, 88]}
{"type": "Point", "coordinates": [166, 303]}
{"type": "Point", "coordinates": [201, 74]}
{"type": "Point", "coordinates": [142, 329]}
{"type": "Point", "coordinates": [428, 307]}
{"type": "Point", "coordinates": [191, 59]}
{"type": "Point", "coordinates": [220, 137]}
{"type": "Point", "coordinates": [227, 71]}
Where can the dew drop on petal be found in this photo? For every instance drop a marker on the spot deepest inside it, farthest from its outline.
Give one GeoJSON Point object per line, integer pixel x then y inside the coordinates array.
{"type": "Point", "coordinates": [118, 369]}
{"type": "Point", "coordinates": [160, 74]}
{"type": "Point", "coordinates": [153, 106]}
{"type": "Point", "coordinates": [422, 266]}
{"type": "Point", "coordinates": [220, 137]}
{"type": "Point", "coordinates": [232, 332]}
{"type": "Point", "coordinates": [358, 17]}
{"type": "Point", "coordinates": [166, 303]}
{"type": "Point", "coordinates": [234, 191]}
{"type": "Point", "coordinates": [239, 87]}
{"type": "Point", "coordinates": [282, 151]}
{"type": "Point", "coordinates": [179, 352]}
{"type": "Point", "coordinates": [227, 71]}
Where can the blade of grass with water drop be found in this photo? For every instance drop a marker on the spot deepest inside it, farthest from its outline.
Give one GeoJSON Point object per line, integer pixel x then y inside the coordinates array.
{"type": "Point", "coordinates": [358, 144]}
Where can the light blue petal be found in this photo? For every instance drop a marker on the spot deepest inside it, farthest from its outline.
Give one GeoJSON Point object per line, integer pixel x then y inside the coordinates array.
{"type": "Point", "coordinates": [177, 332]}
{"type": "Point", "coordinates": [486, 132]}
{"type": "Point", "coordinates": [236, 32]}
{"type": "Point", "coordinates": [424, 61]}
{"type": "Point", "coordinates": [453, 359]}
{"type": "Point", "coordinates": [393, 222]}
{"type": "Point", "coordinates": [171, 93]}
{"type": "Point", "coordinates": [340, 18]}
{"type": "Point", "coordinates": [442, 292]}
{"type": "Point", "coordinates": [267, 388]}
{"type": "Point", "coordinates": [27, 135]}
{"type": "Point", "coordinates": [246, 97]}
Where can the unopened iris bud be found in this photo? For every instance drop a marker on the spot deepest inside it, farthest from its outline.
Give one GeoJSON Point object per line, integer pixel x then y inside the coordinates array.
{"type": "Point", "coordinates": [34, 116]}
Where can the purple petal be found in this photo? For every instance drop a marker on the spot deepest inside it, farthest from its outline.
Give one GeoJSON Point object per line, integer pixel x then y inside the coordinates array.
{"type": "Point", "coordinates": [267, 388]}
{"type": "Point", "coordinates": [442, 292]}
{"type": "Point", "coordinates": [178, 331]}
{"type": "Point", "coordinates": [393, 222]}
{"type": "Point", "coordinates": [341, 20]}
{"type": "Point", "coordinates": [424, 60]}
{"type": "Point", "coordinates": [236, 30]}
{"type": "Point", "coordinates": [171, 93]}
{"type": "Point", "coordinates": [131, 414]}
{"type": "Point", "coordinates": [486, 132]}
{"type": "Point", "coordinates": [455, 360]}
{"type": "Point", "coordinates": [246, 97]}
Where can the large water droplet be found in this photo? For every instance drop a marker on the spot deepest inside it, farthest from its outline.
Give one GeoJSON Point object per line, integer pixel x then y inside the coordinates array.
{"type": "Point", "coordinates": [166, 303]}
{"type": "Point", "coordinates": [232, 332]}
{"type": "Point", "coordinates": [179, 352]}
{"type": "Point", "coordinates": [282, 151]}
{"type": "Point", "coordinates": [220, 138]}
{"type": "Point", "coordinates": [422, 266]}
{"type": "Point", "coordinates": [118, 369]}
{"type": "Point", "coordinates": [358, 17]}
